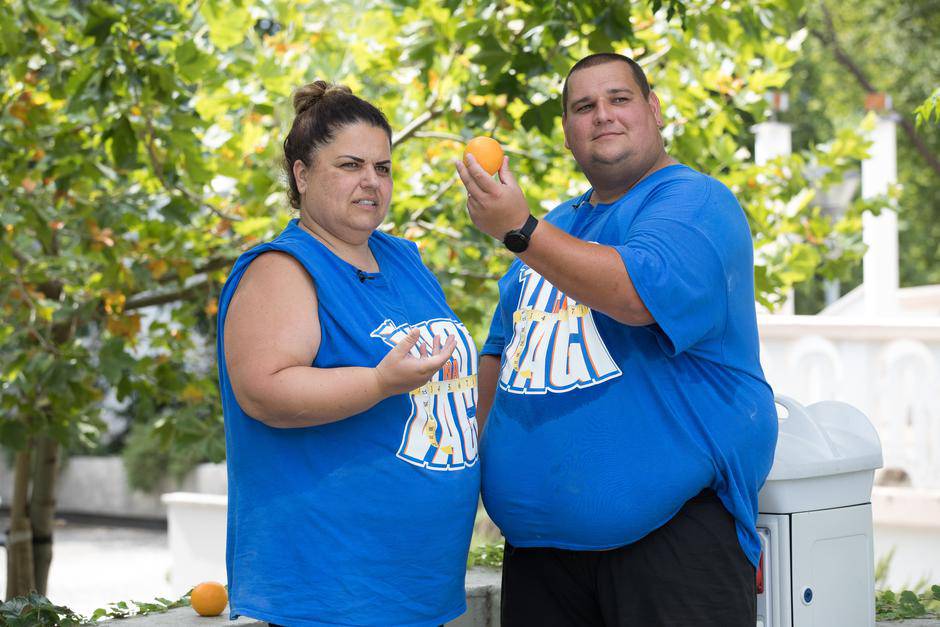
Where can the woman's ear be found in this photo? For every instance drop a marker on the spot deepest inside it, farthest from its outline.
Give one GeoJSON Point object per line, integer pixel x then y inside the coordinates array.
{"type": "Point", "coordinates": [300, 175]}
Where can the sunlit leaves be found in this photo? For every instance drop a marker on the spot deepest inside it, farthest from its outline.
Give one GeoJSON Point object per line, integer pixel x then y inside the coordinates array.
{"type": "Point", "coordinates": [149, 133]}
{"type": "Point", "coordinates": [228, 22]}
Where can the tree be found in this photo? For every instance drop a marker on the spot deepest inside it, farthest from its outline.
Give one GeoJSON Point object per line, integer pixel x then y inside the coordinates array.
{"type": "Point", "coordinates": [140, 156]}
{"type": "Point", "coordinates": [857, 47]}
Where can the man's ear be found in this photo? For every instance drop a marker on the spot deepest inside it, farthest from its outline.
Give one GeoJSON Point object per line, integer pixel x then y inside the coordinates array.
{"type": "Point", "coordinates": [564, 129]}
{"type": "Point", "coordinates": [300, 175]}
{"type": "Point", "coordinates": [656, 108]}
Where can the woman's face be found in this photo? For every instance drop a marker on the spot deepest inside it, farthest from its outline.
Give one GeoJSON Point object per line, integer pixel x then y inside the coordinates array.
{"type": "Point", "coordinates": [348, 187]}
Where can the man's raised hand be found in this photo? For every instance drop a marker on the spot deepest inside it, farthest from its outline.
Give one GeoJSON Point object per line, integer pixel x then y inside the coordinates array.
{"type": "Point", "coordinates": [496, 207]}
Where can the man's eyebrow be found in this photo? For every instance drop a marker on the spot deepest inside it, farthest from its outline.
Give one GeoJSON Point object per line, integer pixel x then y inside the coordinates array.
{"type": "Point", "coordinates": [619, 90]}
{"type": "Point", "coordinates": [612, 90]}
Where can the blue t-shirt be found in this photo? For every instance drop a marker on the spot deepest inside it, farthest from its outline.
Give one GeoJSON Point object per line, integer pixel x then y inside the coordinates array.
{"type": "Point", "coordinates": [367, 520]}
{"type": "Point", "coordinates": [601, 431]}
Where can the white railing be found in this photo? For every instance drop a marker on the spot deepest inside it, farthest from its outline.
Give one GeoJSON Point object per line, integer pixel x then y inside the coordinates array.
{"type": "Point", "coordinates": [888, 368]}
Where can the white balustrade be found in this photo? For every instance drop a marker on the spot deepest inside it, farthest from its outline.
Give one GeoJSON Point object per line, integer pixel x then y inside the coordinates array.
{"type": "Point", "coordinates": [888, 368]}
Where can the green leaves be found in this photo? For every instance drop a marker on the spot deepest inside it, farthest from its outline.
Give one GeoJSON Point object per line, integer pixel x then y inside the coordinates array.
{"type": "Point", "coordinates": [486, 555]}
{"type": "Point", "coordinates": [228, 22]}
{"type": "Point", "coordinates": [907, 604]}
{"type": "Point", "coordinates": [36, 610]}
{"type": "Point", "coordinates": [193, 64]}
{"type": "Point", "coordinates": [141, 155]}
{"type": "Point", "coordinates": [542, 117]}
{"type": "Point", "coordinates": [123, 143]}
{"type": "Point", "coordinates": [929, 110]}
{"type": "Point", "coordinates": [101, 18]}
{"type": "Point", "coordinates": [9, 33]}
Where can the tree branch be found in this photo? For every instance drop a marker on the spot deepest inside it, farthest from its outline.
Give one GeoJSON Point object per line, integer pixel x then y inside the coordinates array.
{"type": "Point", "coordinates": [158, 171]}
{"type": "Point", "coordinates": [216, 263]}
{"type": "Point", "coordinates": [139, 301]}
{"type": "Point", "coordinates": [443, 189]}
{"type": "Point", "coordinates": [462, 140]}
{"type": "Point", "coordinates": [415, 124]}
{"type": "Point", "coordinates": [431, 108]}
{"type": "Point", "coordinates": [830, 38]}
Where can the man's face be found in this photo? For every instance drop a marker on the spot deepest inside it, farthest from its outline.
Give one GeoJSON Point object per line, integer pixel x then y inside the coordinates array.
{"type": "Point", "coordinates": [609, 125]}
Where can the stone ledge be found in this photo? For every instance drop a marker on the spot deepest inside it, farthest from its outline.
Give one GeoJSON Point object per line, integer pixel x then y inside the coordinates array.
{"type": "Point", "coordinates": [482, 610]}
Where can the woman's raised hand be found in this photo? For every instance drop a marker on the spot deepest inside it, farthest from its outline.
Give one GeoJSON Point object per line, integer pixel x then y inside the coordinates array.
{"type": "Point", "coordinates": [400, 371]}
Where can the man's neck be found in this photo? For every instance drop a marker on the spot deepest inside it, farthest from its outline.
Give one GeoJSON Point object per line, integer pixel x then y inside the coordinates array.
{"type": "Point", "coordinates": [607, 191]}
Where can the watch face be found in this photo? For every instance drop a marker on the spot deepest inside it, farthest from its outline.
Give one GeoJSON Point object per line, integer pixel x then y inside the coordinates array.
{"type": "Point", "coordinates": [516, 241]}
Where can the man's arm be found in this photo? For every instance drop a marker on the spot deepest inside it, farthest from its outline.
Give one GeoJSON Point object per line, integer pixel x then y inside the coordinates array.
{"type": "Point", "coordinates": [487, 377]}
{"type": "Point", "coordinates": [592, 274]}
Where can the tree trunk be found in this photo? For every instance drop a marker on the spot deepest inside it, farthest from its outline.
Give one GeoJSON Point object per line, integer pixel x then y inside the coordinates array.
{"type": "Point", "coordinates": [42, 508]}
{"type": "Point", "coordinates": [20, 577]}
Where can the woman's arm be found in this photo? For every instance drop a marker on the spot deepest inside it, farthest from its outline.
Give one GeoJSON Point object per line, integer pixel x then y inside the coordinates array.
{"type": "Point", "coordinates": [272, 335]}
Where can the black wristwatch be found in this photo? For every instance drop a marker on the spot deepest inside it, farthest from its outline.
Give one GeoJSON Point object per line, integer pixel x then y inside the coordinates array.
{"type": "Point", "coordinates": [517, 240]}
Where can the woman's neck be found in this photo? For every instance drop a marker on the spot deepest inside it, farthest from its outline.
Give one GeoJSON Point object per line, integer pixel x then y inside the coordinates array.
{"type": "Point", "coordinates": [354, 253]}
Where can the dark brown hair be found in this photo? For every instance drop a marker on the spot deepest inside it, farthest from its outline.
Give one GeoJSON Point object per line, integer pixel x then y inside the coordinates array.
{"type": "Point", "coordinates": [320, 110]}
{"type": "Point", "coordinates": [599, 59]}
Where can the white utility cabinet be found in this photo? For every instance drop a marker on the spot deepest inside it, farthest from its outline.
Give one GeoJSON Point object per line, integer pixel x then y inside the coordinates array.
{"type": "Point", "coordinates": [815, 523]}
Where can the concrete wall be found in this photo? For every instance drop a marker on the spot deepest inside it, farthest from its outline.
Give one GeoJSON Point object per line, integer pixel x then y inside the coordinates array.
{"type": "Point", "coordinates": [907, 526]}
{"type": "Point", "coordinates": [98, 485]}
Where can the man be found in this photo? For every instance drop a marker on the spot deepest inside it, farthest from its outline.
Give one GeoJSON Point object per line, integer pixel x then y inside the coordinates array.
{"type": "Point", "coordinates": [630, 426]}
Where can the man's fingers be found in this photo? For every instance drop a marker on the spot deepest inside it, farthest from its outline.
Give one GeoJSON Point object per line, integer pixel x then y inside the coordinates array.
{"type": "Point", "coordinates": [505, 176]}
{"type": "Point", "coordinates": [467, 180]}
{"type": "Point", "coordinates": [480, 176]}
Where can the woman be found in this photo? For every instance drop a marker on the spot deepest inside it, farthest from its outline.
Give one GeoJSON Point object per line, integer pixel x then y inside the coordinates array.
{"type": "Point", "coordinates": [349, 391]}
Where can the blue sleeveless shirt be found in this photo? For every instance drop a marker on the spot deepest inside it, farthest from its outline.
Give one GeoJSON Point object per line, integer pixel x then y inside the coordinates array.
{"type": "Point", "coordinates": [367, 520]}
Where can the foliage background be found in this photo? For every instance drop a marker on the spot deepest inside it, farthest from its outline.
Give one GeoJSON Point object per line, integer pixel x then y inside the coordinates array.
{"type": "Point", "coordinates": [139, 152]}
{"type": "Point", "coordinates": [891, 45]}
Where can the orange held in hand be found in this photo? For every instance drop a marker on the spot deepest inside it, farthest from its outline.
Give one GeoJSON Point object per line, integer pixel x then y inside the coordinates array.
{"type": "Point", "coordinates": [487, 152]}
{"type": "Point", "coordinates": [208, 598]}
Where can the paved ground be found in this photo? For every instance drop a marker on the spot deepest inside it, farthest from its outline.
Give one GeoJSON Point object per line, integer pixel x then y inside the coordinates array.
{"type": "Point", "coordinates": [93, 565]}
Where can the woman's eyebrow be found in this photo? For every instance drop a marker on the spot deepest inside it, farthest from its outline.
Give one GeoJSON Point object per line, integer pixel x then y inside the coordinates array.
{"type": "Point", "coordinates": [361, 160]}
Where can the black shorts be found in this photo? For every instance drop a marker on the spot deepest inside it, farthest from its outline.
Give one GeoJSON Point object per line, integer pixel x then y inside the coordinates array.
{"type": "Point", "coordinates": [691, 571]}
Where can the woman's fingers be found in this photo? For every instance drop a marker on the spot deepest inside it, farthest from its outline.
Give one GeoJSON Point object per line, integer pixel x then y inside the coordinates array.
{"type": "Point", "coordinates": [404, 346]}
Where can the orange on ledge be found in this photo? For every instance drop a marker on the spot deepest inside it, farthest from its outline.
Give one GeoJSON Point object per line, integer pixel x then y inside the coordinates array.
{"type": "Point", "coordinates": [487, 152]}
{"type": "Point", "coordinates": [208, 598]}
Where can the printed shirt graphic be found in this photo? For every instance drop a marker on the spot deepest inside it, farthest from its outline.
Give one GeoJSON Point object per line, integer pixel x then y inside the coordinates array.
{"type": "Point", "coordinates": [555, 345]}
{"type": "Point", "coordinates": [441, 430]}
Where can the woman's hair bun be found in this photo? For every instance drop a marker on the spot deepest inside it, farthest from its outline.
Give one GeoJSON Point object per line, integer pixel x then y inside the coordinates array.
{"type": "Point", "coordinates": [312, 93]}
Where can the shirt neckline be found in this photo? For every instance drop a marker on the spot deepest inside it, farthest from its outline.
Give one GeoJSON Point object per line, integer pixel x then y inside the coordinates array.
{"type": "Point", "coordinates": [586, 196]}
{"type": "Point", "coordinates": [295, 224]}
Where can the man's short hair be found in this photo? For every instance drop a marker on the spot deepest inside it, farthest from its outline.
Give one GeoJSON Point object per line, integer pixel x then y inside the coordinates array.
{"type": "Point", "coordinates": [599, 59]}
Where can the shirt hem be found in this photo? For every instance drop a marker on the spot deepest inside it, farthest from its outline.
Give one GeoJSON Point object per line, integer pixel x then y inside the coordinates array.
{"type": "Point", "coordinates": [566, 546]}
{"type": "Point", "coordinates": [282, 620]}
